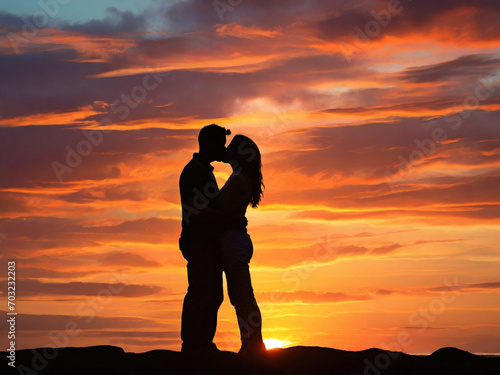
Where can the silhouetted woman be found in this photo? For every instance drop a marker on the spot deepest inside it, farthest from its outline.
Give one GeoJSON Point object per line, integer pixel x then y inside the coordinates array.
{"type": "Point", "coordinates": [243, 187]}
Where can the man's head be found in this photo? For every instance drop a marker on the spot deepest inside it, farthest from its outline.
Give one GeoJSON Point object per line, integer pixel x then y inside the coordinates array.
{"type": "Point", "coordinates": [212, 141]}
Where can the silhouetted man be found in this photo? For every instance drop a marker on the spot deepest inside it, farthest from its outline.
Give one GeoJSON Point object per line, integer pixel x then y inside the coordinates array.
{"type": "Point", "coordinates": [198, 242]}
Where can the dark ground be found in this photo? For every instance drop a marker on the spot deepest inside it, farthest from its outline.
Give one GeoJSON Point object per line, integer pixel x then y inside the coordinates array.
{"type": "Point", "coordinates": [97, 360]}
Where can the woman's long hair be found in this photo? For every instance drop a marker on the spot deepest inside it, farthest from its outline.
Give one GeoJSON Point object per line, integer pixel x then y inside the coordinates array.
{"type": "Point", "coordinates": [248, 160]}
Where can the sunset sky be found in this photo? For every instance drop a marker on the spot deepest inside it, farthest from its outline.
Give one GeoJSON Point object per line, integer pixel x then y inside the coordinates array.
{"type": "Point", "coordinates": [379, 127]}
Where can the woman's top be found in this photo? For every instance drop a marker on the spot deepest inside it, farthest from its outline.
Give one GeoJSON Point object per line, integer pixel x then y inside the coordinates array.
{"type": "Point", "coordinates": [234, 196]}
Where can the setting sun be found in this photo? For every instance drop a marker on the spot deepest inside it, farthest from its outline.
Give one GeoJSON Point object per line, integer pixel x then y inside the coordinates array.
{"type": "Point", "coordinates": [275, 343]}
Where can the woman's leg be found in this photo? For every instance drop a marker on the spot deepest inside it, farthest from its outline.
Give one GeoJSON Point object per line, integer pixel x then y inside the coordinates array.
{"type": "Point", "coordinates": [237, 250]}
{"type": "Point", "coordinates": [250, 324]}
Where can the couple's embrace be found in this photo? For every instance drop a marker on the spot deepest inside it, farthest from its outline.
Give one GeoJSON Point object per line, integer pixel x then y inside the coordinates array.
{"type": "Point", "coordinates": [214, 240]}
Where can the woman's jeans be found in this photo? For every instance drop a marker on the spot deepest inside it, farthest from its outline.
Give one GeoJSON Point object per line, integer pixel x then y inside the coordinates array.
{"type": "Point", "coordinates": [236, 251]}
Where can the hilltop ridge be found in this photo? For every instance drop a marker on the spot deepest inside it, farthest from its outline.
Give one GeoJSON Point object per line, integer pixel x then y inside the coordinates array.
{"type": "Point", "coordinates": [110, 360]}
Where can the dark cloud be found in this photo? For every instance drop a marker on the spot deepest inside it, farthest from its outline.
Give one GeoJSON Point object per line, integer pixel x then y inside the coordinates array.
{"type": "Point", "coordinates": [49, 82]}
{"type": "Point", "coordinates": [10, 21]}
{"type": "Point", "coordinates": [368, 167]}
{"type": "Point", "coordinates": [324, 250]}
{"type": "Point", "coordinates": [386, 249]}
{"type": "Point", "coordinates": [211, 94]}
{"type": "Point", "coordinates": [339, 26]}
{"type": "Point", "coordinates": [116, 21]}
{"type": "Point", "coordinates": [474, 191]}
{"type": "Point", "coordinates": [72, 323]}
{"type": "Point", "coordinates": [473, 212]}
{"type": "Point", "coordinates": [187, 94]}
{"type": "Point", "coordinates": [34, 273]}
{"type": "Point", "coordinates": [422, 11]}
{"type": "Point", "coordinates": [146, 343]}
{"type": "Point", "coordinates": [203, 15]}
{"type": "Point", "coordinates": [191, 15]}
{"type": "Point", "coordinates": [35, 233]}
{"type": "Point", "coordinates": [137, 334]}
{"type": "Point", "coordinates": [13, 202]}
{"type": "Point", "coordinates": [384, 292]}
{"type": "Point", "coordinates": [331, 18]}
{"type": "Point", "coordinates": [372, 150]}
{"type": "Point", "coordinates": [469, 288]}
{"type": "Point", "coordinates": [311, 68]}
{"type": "Point", "coordinates": [364, 150]}
{"type": "Point", "coordinates": [412, 201]}
{"type": "Point", "coordinates": [119, 258]}
{"type": "Point", "coordinates": [55, 82]}
{"type": "Point", "coordinates": [79, 264]}
{"type": "Point", "coordinates": [28, 161]}
{"type": "Point", "coordinates": [350, 22]}
{"type": "Point", "coordinates": [493, 285]}
{"type": "Point", "coordinates": [335, 19]}
{"type": "Point", "coordinates": [439, 104]}
{"type": "Point", "coordinates": [31, 287]}
{"type": "Point", "coordinates": [312, 297]}
{"type": "Point", "coordinates": [465, 66]}
{"type": "Point", "coordinates": [130, 192]}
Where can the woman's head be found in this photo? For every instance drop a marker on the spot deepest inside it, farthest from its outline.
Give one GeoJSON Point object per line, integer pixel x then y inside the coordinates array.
{"type": "Point", "coordinates": [244, 155]}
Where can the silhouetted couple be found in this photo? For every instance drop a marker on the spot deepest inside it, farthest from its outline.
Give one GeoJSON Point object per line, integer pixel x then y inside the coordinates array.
{"type": "Point", "coordinates": [214, 240]}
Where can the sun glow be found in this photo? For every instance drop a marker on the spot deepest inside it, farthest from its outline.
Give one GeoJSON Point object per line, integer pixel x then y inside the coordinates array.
{"type": "Point", "coordinates": [275, 343]}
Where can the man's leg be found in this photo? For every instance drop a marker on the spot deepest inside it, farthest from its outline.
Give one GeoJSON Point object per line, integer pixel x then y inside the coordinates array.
{"type": "Point", "coordinates": [204, 295]}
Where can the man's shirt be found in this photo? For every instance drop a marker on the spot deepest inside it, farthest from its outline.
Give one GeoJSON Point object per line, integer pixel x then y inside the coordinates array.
{"type": "Point", "coordinates": [199, 190]}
